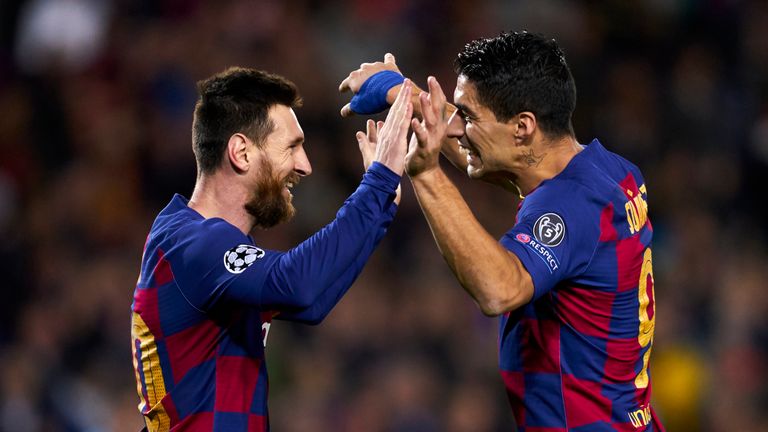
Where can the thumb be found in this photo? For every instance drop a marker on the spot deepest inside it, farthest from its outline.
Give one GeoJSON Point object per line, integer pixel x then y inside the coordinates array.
{"type": "Point", "coordinates": [389, 58]}
{"type": "Point", "coordinates": [413, 146]}
{"type": "Point", "coordinates": [346, 111]}
{"type": "Point", "coordinates": [362, 140]}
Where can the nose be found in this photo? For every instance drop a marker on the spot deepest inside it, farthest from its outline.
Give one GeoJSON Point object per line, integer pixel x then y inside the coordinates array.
{"type": "Point", "coordinates": [301, 165]}
{"type": "Point", "coordinates": [456, 126]}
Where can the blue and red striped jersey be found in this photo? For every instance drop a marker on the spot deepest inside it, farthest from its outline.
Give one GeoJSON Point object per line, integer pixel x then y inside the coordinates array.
{"type": "Point", "coordinates": [576, 357]}
{"type": "Point", "coordinates": [207, 294]}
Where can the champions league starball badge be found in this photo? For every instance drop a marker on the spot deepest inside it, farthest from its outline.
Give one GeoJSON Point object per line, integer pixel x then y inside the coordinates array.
{"type": "Point", "coordinates": [549, 229]}
{"type": "Point", "coordinates": [239, 258]}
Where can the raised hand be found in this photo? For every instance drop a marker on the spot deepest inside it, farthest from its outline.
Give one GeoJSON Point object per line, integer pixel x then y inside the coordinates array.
{"type": "Point", "coordinates": [427, 139]}
{"type": "Point", "coordinates": [367, 142]}
{"type": "Point", "coordinates": [391, 138]}
{"type": "Point", "coordinates": [357, 77]}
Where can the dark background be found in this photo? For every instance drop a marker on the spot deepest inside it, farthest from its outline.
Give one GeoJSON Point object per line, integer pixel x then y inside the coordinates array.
{"type": "Point", "coordinates": [96, 100]}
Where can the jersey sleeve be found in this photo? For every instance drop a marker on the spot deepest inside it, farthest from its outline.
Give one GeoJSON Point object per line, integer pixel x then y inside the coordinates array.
{"type": "Point", "coordinates": [312, 267]}
{"type": "Point", "coordinates": [323, 305]}
{"type": "Point", "coordinates": [556, 234]}
{"type": "Point", "coordinates": [215, 261]}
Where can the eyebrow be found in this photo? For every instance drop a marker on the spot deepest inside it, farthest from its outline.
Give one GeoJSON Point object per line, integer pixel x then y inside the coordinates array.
{"type": "Point", "coordinates": [465, 109]}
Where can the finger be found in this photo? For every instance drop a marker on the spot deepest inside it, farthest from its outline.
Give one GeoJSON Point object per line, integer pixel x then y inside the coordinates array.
{"type": "Point", "coordinates": [420, 131]}
{"type": "Point", "coordinates": [436, 96]}
{"type": "Point", "coordinates": [344, 86]}
{"type": "Point", "coordinates": [389, 58]}
{"type": "Point", "coordinates": [360, 139]}
{"type": "Point", "coordinates": [371, 131]}
{"type": "Point", "coordinates": [405, 122]}
{"type": "Point", "coordinates": [401, 95]}
{"type": "Point", "coordinates": [408, 116]}
{"type": "Point", "coordinates": [430, 117]}
{"type": "Point", "coordinates": [435, 90]}
{"type": "Point", "coordinates": [346, 111]}
{"type": "Point", "coordinates": [413, 143]}
{"type": "Point", "coordinates": [397, 115]}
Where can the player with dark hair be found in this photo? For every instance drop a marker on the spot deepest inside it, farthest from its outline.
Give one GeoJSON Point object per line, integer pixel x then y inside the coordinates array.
{"type": "Point", "coordinates": [572, 279]}
{"type": "Point", "coordinates": [207, 294]}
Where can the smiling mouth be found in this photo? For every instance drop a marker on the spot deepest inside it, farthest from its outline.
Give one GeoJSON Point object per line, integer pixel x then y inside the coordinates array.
{"type": "Point", "coordinates": [289, 184]}
{"type": "Point", "coordinates": [469, 152]}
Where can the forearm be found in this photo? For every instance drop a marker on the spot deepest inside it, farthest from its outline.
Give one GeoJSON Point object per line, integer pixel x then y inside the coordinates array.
{"type": "Point", "coordinates": [488, 272]}
{"type": "Point", "coordinates": [323, 305]}
{"type": "Point", "coordinates": [307, 270]}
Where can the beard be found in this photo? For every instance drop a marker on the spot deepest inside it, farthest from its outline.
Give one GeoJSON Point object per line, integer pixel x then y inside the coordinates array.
{"type": "Point", "coordinates": [268, 204]}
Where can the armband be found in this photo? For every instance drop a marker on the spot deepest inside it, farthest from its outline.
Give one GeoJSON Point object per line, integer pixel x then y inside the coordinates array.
{"type": "Point", "coordinates": [372, 96]}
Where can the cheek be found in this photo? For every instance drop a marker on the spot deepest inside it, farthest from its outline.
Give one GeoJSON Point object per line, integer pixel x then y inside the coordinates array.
{"type": "Point", "coordinates": [478, 136]}
{"type": "Point", "coordinates": [281, 163]}
{"type": "Point", "coordinates": [285, 168]}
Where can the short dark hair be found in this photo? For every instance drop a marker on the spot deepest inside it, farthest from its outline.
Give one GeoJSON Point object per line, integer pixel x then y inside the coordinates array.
{"type": "Point", "coordinates": [236, 100]}
{"type": "Point", "coordinates": [521, 71]}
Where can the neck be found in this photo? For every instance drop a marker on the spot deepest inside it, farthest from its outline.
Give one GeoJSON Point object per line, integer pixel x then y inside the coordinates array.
{"type": "Point", "coordinates": [221, 195]}
{"type": "Point", "coordinates": [543, 161]}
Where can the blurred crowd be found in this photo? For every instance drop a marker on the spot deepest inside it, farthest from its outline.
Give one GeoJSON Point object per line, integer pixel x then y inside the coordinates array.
{"type": "Point", "coordinates": [96, 98]}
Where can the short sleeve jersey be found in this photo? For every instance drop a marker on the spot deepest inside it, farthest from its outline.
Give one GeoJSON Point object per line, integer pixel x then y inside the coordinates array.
{"type": "Point", "coordinates": [576, 357]}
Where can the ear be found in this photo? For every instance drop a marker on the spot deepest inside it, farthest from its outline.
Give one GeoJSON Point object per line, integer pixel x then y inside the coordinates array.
{"type": "Point", "coordinates": [237, 152]}
{"type": "Point", "coordinates": [525, 126]}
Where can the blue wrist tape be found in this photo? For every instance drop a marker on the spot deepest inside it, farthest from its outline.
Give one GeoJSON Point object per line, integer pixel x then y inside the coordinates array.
{"type": "Point", "coordinates": [372, 96]}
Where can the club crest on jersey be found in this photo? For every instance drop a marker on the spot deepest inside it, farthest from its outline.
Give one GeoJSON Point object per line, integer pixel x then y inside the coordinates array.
{"type": "Point", "coordinates": [239, 258]}
{"type": "Point", "coordinates": [549, 229]}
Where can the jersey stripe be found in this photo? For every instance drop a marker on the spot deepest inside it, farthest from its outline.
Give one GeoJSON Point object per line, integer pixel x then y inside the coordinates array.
{"type": "Point", "coordinates": [152, 388]}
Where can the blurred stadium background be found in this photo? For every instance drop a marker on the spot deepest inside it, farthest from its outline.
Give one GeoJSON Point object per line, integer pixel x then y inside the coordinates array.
{"type": "Point", "coordinates": [95, 111]}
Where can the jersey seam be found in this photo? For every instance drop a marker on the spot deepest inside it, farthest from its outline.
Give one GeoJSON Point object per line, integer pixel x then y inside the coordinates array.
{"type": "Point", "coordinates": [178, 287]}
{"type": "Point", "coordinates": [171, 237]}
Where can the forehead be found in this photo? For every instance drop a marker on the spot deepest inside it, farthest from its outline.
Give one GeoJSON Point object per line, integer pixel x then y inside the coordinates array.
{"type": "Point", "coordinates": [466, 93]}
{"type": "Point", "coordinates": [286, 125]}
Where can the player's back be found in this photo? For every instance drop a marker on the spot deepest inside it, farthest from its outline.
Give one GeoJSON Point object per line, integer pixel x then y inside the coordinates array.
{"type": "Point", "coordinates": [577, 355]}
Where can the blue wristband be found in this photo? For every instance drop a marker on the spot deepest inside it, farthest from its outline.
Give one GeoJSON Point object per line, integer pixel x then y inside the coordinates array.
{"type": "Point", "coordinates": [372, 96]}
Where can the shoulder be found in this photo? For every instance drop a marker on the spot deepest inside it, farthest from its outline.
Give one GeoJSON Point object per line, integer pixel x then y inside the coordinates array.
{"type": "Point", "coordinates": [563, 195]}
{"type": "Point", "coordinates": [216, 248]}
{"type": "Point", "coordinates": [190, 238]}
{"type": "Point", "coordinates": [561, 209]}
{"type": "Point", "coordinates": [616, 166]}
{"type": "Point", "coordinates": [207, 235]}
